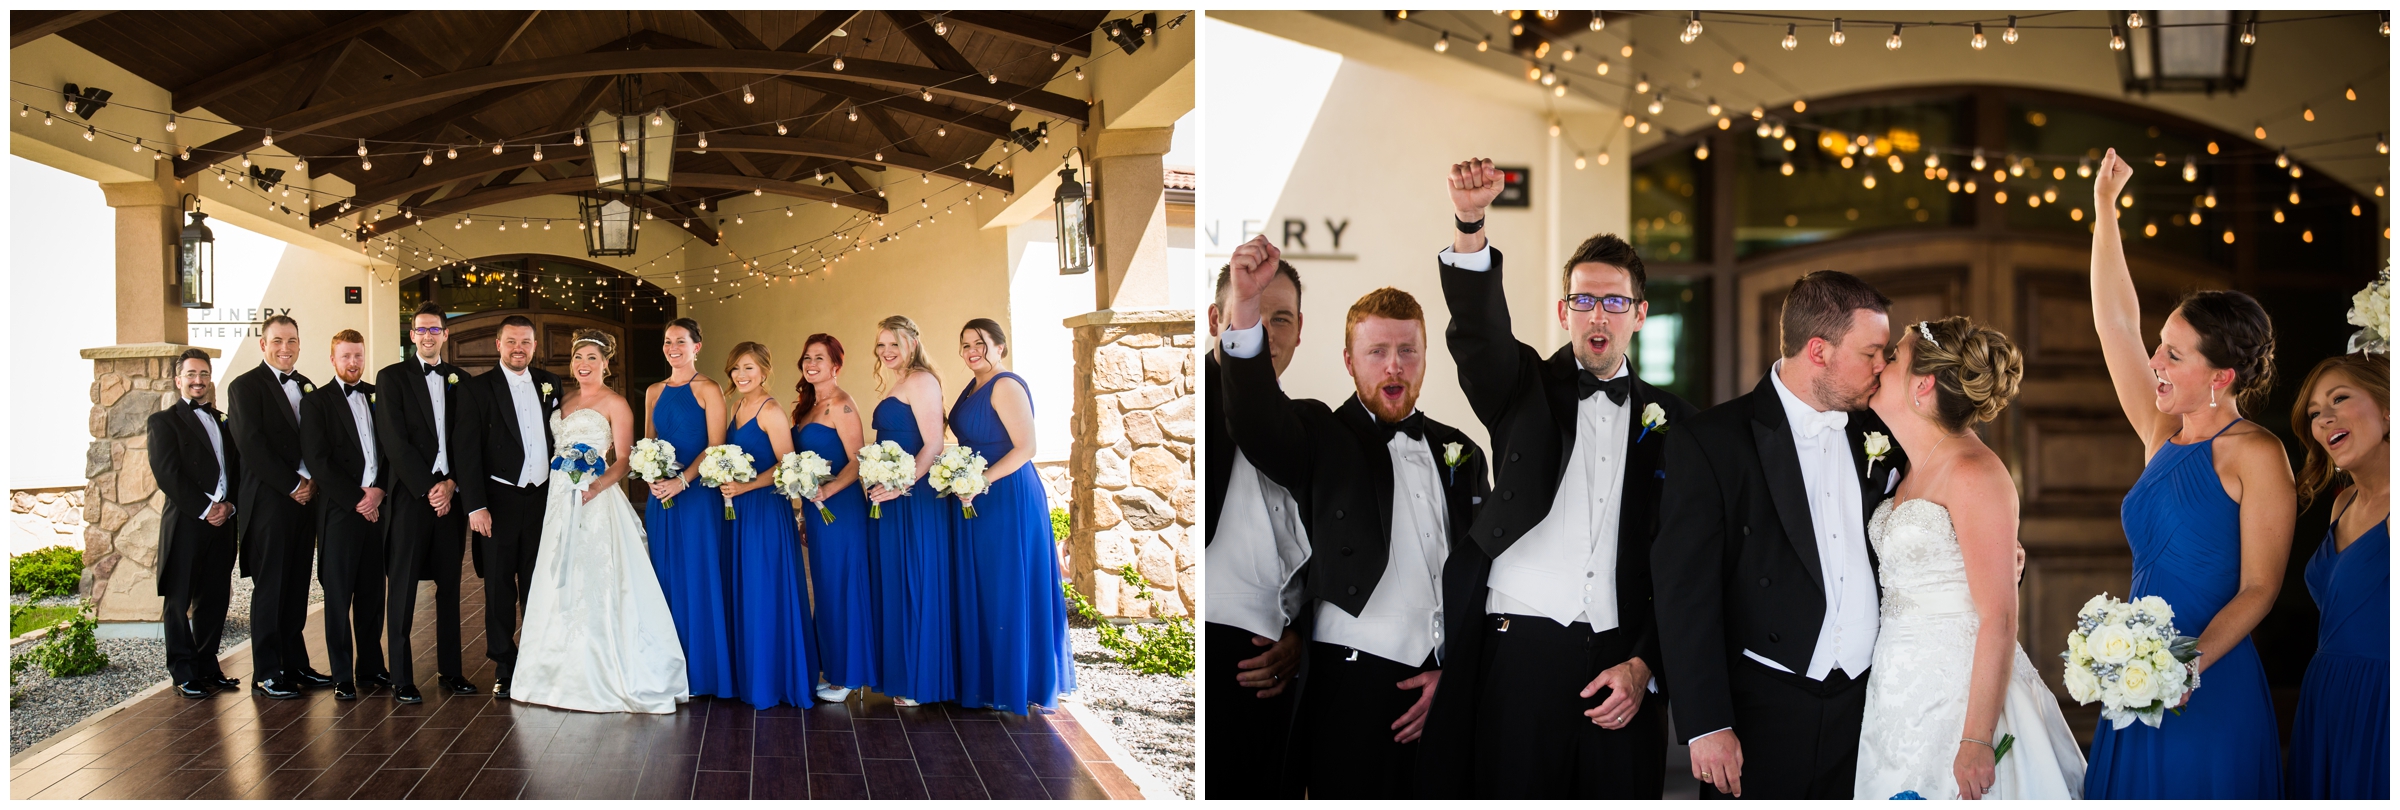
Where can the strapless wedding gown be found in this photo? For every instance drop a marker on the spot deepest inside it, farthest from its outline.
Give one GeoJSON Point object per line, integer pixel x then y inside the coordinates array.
{"type": "Point", "coordinates": [598, 636]}
{"type": "Point", "coordinates": [1924, 653]}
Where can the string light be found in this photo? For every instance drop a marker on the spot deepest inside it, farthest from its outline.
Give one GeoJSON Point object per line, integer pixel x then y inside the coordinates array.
{"type": "Point", "coordinates": [1791, 36]}
{"type": "Point", "coordinates": [1838, 37]}
{"type": "Point", "coordinates": [2191, 169]}
{"type": "Point", "coordinates": [89, 132]}
{"type": "Point", "coordinates": [2010, 36]}
{"type": "Point", "coordinates": [1714, 108]}
{"type": "Point", "coordinates": [268, 139]}
{"type": "Point", "coordinates": [2308, 113]}
{"type": "Point", "coordinates": [1977, 42]}
{"type": "Point", "coordinates": [537, 153]}
{"type": "Point", "coordinates": [747, 97]}
{"type": "Point", "coordinates": [579, 135]}
{"type": "Point", "coordinates": [1692, 28]}
{"type": "Point", "coordinates": [2084, 168]}
{"type": "Point", "coordinates": [1442, 45]}
{"type": "Point", "coordinates": [2250, 33]}
{"type": "Point", "coordinates": [1597, 22]}
{"type": "Point", "coordinates": [428, 157]}
{"type": "Point", "coordinates": [1484, 45]}
{"type": "Point", "coordinates": [837, 62]}
{"type": "Point", "coordinates": [2116, 39]}
{"type": "Point", "coordinates": [1642, 85]}
{"type": "Point", "coordinates": [496, 145]}
{"type": "Point", "coordinates": [1893, 44]}
{"type": "Point", "coordinates": [2133, 19]}
{"type": "Point", "coordinates": [1740, 64]}
{"type": "Point", "coordinates": [170, 121]}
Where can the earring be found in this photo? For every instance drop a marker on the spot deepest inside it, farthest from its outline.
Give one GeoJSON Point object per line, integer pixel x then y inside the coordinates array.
{"type": "Point", "coordinates": [2212, 396]}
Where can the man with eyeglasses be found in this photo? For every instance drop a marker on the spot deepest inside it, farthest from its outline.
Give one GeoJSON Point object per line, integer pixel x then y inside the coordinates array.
{"type": "Point", "coordinates": [419, 407]}
{"type": "Point", "coordinates": [1557, 697]}
{"type": "Point", "coordinates": [196, 464]}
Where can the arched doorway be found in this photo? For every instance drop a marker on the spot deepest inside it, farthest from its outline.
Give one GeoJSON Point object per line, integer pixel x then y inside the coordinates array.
{"type": "Point", "coordinates": [560, 295]}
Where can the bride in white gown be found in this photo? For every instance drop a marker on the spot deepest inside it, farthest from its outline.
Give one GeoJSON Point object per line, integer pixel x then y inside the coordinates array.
{"type": "Point", "coordinates": [1951, 686]}
{"type": "Point", "coordinates": [597, 637]}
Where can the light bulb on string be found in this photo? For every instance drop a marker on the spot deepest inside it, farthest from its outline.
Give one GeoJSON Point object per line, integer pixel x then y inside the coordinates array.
{"type": "Point", "coordinates": [1579, 161]}
{"type": "Point", "coordinates": [2209, 199]}
{"type": "Point", "coordinates": [2349, 93]}
{"type": "Point", "coordinates": [268, 139]}
{"type": "Point", "coordinates": [428, 157]}
{"type": "Point", "coordinates": [2260, 131]}
{"type": "Point", "coordinates": [2294, 196]}
{"type": "Point", "coordinates": [2295, 170]}
{"type": "Point", "coordinates": [1642, 84]}
{"type": "Point", "coordinates": [1597, 22]}
{"type": "Point", "coordinates": [1714, 108]}
{"type": "Point", "coordinates": [1893, 44]}
{"type": "Point", "coordinates": [1559, 90]}
{"type": "Point", "coordinates": [2116, 39]}
{"type": "Point", "coordinates": [1977, 163]}
{"type": "Point", "coordinates": [579, 135]}
{"type": "Point", "coordinates": [1837, 38]}
{"type": "Point", "coordinates": [2383, 145]}
{"type": "Point", "coordinates": [747, 97]}
{"type": "Point", "coordinates": [245, 159]}
{"type": "Point", "coordinates": [1658, 103]}
{"type": "Point", "coordinates": [1978, 42]}
{"type": "Point", "coordinates": [2009, 36]}
{"type": "Point", "coordinates": [2250, 33]}
{"type": "Point", "coordinates": [854, 112]}
{"type": "Point", "coordinates": [2308, 113]}
{"type": "Point", "coordinates": [2133, 19]}
{"type": "Point", "coordinates": [537, 153]}
{"type": "Point", "coordinates": [170, 121]}
{"type": "Point", "coordinates": [496, 146]}
{"type": "Point", "coordinates": [1442, 45]}
{"type": "Point", "coordinates": [1484, 44]}
{"type": "Point", "coordinates": [1691, 29]}
{"type": "Point", "coordinates": [1791, 36]}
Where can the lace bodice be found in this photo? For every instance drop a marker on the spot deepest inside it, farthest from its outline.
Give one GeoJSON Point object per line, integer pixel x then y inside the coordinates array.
{"type": "Point", "coordinates": [1923, 570]}
{"type": "Point", "coordinates": [575, 429]}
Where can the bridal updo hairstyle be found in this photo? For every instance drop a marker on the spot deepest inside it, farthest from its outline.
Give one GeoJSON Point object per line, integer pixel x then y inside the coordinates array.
{"type": "Point", "coordinates": [599, 340]}
{"type": "Point", "coordinates": [1975, 370]}
{"type": "Point", "coordinates": [2235, 333]}
{"type": "Point", "coordinates": [911, 344]}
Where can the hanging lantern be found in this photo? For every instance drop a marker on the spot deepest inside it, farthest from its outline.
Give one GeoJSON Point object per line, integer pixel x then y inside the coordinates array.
{"type": "Point", "coordinates": [1074, 217]}
{"type": "Point", "coordinates": [607, 226]}
{"type": "Point", "coordinates": [632, 152]}
{"type": "Point", "coordinates": [196, 261]}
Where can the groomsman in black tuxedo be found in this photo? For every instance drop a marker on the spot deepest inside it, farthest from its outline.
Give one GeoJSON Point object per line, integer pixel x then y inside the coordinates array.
{"type": "Point", "coordinates": [1554, 633]}
{"type": "Point", "coordinates": [196, 465]}
{"type": "Point", "coordinates": [1387, 495]}
{"type": "Point", "coordinates": [1258, 624]}
{"type": "Point", "coordinates": [337, 435]}
{"type": "Point", "coordinates": [420, 407]}
{"type": "Point", "coordinates": [1767, 597]}
{"type": "Point", "coordinates": [277, 527]}
{"type": "Point", "coordinates": [503, 482]}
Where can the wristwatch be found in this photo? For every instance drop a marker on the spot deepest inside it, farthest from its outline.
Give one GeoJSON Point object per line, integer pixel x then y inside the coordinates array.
{"type": "Point", "coordinates": [1468, 227]}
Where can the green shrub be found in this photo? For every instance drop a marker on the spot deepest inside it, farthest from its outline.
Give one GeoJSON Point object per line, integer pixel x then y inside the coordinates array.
{"type": "Point", "coordinates": [69, 650]}
{"type": "Point", "coordinates": [1062, 525]}
{"type": "Point", "coordinates": [53, 571]}
{"type": "Point", "coordinates": [1165, 647]}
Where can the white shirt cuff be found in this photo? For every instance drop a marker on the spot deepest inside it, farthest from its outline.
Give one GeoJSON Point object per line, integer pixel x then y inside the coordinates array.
{"type": "Point", "coordinates": [1653, 686]}
{"type": "Point", "coordinates": [1478, 261]}
{"type": "Point", "coordinates": [1718, 731]}
{"type": "Point", "coordinates": [1244, 343]}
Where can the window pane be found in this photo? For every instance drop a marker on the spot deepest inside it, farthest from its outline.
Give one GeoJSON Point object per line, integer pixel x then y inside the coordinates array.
{"type": "Point", "coordinates": [1804, 193]}
{"type": "Point", "coordinates": [1665, 203]}
{"type": "Point", "coordinates": [1672, 351]}
{"type": "Point", "coordinates": [480, 287]}
{"type": "Point", "coordinates": [574, 288]}
{"type": "Point", "coordinates": [2163, 201]}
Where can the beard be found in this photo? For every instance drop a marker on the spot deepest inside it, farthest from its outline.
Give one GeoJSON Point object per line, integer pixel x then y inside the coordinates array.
{"type": "Point", "coordinates": [1838, 398]}
{"type": "Point", "coordinates": [1377, 404]}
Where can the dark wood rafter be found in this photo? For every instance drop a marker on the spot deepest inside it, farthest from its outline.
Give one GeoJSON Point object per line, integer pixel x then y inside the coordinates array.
{"type": "Point", "coordinates": [736, 35]}
{"type": "Point", "coordinates": [1066, 38]}
{"type": "Point", "coordinates": [430, 124]}
{"type": "Point", "coordinates": [292, 53]}
{"type": "Point", "coordinates": [443, 173]}
{"type": "Point", "coordinates": [816, 113]}
{"type": "Point", "coordinates": [851, 177]}
{"type": "Point", "coordinates": [869, 97]}
{"type": "Point", "coordinates": [919, 32]}
{"type": "Point", "coordinates": [485, 197]}
{"type": "Point", "coordinates": [533, 71]}
{"type": "Point", "coordinates": [311, 81]}
{"type": "Point", "coordinates": [891, 129]}
{"type": "Point", "coordinates": [508, 36]}
{"type": "Point", "coordinates": [27, 26]}
{"type": "Point", "coordinates": [415, 62]}
{"type": "Point", "coordinates": [725, 114]}
{"type": "Point", "coordinates": [818, 29]}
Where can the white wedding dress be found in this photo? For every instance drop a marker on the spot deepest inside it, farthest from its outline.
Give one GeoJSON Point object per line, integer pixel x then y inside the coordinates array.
{"type": "Point", "coordinates": [1924, 651]}
{"type": "Point", "coordinates": [597, 637]}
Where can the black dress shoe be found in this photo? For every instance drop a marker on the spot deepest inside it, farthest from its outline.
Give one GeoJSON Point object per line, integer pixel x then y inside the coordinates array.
{"type": "Point", "coordinates": [275, 689]}
{"type": "Point", "coordinates": [407, 694]}
{"type": "Point", "coordinates": [382, 679]}
{"type": "Point", "coordinates": [457, 686]}
{"type": "Point", "coordinates": [310, 680]}
{"type": "Point", "coordinates": [345, 690]}
{"type": "Point", "coordinates": [221, 682]}
{"type": "Point", "coordinates": [500, 689]}
{"type": "Point", "coordinates": [195, 690]}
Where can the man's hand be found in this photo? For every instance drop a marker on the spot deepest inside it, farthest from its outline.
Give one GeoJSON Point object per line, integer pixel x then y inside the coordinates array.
{"type": "Point", "coordinates": [2111, 179]}
{"type": "Point", "coordinates": [1271, 671]}
{"type": "Point", "coordinates": [1627, 683]}
{"type": "Point", "coordinates": [218, 513]}
{"type": "Point", "coordinates": [440, 497]}
{"type": "Point", "coordinates": [370, 500]}
{"type": "Point", "coordinates": [1411, 724]}
{"type": "Point", "coordinates": [1254, 264]}
{"type": "Point", "coordinates": [480, 522]}
{"type": "Point", "coordinates": [1473, 185]}
{"type": "Point", "coordinates": [306, 490]}
{"type": "Point", "coordinates": [1717, 761]}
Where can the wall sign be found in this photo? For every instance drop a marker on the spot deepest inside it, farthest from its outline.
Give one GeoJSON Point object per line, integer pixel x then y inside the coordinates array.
{"type": "Point", "coordinates": [1518, 190]}
{"type": "Point", "coordinates": [350, 295]}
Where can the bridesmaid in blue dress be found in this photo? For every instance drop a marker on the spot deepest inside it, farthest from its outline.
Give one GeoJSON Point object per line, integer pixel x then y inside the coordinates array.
{"type": "Point", "coordinates": [837, 551]}
{"type": "Point", "coordinates": [1013, 653]}
{"type": "Point", "coordinates": [690, 543]}
{"type": "Point", "coordinates": [2210, 523]}
{"type": "Point", "coordinates": [774, 651]}
{"type": "Point", "coordinates": [911, 560]}
{"type": "Point", "coordinates": [2342, 733]}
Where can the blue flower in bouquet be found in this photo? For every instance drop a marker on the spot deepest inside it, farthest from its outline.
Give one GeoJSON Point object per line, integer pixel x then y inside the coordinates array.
{"type": "Point", "coordinates": [579, 461]}
{"type": "Point", "coordinates": [1908, 795]}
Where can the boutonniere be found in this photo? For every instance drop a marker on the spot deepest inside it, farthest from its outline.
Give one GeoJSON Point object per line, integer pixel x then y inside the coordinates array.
{"type": "Point", "coordinates": [545, 389]}
{"type": "Point", "coordinates": [1654, 420]}
{"type": "Point", "coordinates": [370, 399]}
{"type": "Point", "coordinates": [453, 378]}
{"type": "Point", "coordinates": [308, 388]}
{"type": "Point", "coordinates": [1454, 454]}
{"type": "Point", "coordinates": [220, 418]}
{"type": "Point", "coordinates": [1878, 446]}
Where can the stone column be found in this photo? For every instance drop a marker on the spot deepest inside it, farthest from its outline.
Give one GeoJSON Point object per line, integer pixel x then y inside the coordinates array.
{"type": "Point", "coordinates": [1129, 179]}
{"type": "Point", "coordinates": [130, 381]}
{"type": "Point", "coordinates": [1136, 424]}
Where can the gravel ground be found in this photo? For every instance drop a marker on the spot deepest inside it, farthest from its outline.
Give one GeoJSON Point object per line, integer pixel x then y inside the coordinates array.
{"type": "Point", "coordinates": [1152, 714]}
{"type": "Point", "coordinates": [46, 705]}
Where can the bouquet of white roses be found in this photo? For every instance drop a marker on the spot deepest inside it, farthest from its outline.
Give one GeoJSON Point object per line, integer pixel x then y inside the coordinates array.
{"type": "Point", "coordinates": [2371, 309]}
{"type": "Point", "coordinates": [725, 464]}
{"type": "Point", "coordinates": [579, 462]}
{"type": "Point", "coordinates": [959, 471]}
{"type": "Point", "coordinates": [654, 461]}
{"type": "Point", "coordinates": [801, 475]}
{"type": "Point", "coordinates": [884, 464]}
{"type": "Point", "coordinates": [2127, 657]}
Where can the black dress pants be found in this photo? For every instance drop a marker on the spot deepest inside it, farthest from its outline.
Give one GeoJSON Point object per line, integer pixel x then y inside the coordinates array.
{"type": "Point", "coordinates": [1799, 736]}
{"type": "Point", "coordinates": [198, 575]}
{"type": "Point", "coordinates": [279, 589]}
{"type": "Point", "coordinates": [423, 546]}
{"type": "Point", "coordinates": [350, 564]}
{"type": "Point", "coordinates": [1247, 736]}
{"type": "Point", "coordinates": [506, 560]}
{"type": "Point", "coordinates": [1349, 704]}
{"type": "Point", "coordinates": [1532, 740]}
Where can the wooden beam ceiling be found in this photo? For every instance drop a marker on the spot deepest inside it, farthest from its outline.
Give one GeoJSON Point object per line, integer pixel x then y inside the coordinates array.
{"type": "Point", "coordinates": [251, 70]}
{"type": "Point", "coordinates": [919, 32]}
{"type": "Point", "coordinates": [1066, 38]}
{"type": "Point", "coordinates": [27, 26]}
{"type": "Point", "coordinates": [818, 29]}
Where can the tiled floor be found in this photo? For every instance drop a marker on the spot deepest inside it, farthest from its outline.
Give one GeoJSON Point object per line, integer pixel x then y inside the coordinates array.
{"type": "Point", "coordinates": [236, 746]}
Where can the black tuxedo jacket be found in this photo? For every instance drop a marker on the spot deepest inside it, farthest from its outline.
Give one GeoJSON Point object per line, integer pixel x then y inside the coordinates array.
{"type": "Point", "coordinates": [1736, 557]}
{"type": "Point", "coordinates": [1219, 433]}
{"type": "Point", "coordinates": [268, 431]}
{"type": "Point", "coordinates": [404, 418]}
{"type": "Point", "coordinates": [329, 439]}
{"type": "Point", "coordinates": [185, 467]}
{"type": "Point", "coordinates": [485, 440]}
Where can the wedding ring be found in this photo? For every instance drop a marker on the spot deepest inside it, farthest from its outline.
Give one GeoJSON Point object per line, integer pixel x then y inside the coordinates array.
{"type": "Point", "coordinates": [1704, 775]}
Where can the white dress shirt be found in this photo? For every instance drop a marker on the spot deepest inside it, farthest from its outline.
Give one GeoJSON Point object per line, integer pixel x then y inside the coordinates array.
{"type": "Point", "coordinates": [527, 402]}
{"type": "Point", "coordinates": [436, 388]}
{"type": "Point", "coordinates": [291, 397]}
{"type": "Point", "coordinates": [1565, 568]}
{"type": "Point", "coordinates": [1846, 638]}
{"type": "Point", "coordinates": [1254, 561]}
{"type": "Point", "coordinates": [216, 442]}
{"type": "Point", "coordinates": [366, 436]}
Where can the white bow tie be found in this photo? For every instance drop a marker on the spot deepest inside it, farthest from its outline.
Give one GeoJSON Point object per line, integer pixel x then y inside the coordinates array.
{"type": "Point", "coordinates": [1824, 421]}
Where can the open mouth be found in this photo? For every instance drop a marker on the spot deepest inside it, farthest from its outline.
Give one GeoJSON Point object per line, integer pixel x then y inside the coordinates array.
{"type": "Point", "coordinates": [1394, 391]}
{"type": "Point", "coordinates": [2336, 439]}
{"type": "Point", "coordinates": [1597, 343]}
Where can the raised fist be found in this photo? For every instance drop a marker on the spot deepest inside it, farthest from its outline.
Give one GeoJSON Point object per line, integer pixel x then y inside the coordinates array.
{"type": "Point", "coordinates": [1473, 185]}
{"type": "Point", "coordinates": [2114, 174]}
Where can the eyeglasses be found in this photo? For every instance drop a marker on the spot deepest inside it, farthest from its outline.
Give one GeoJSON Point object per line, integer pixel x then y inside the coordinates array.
{"type": "Point", "coordinates": [427, 330]}
{"type": "Point", "coordinates": [1583, 302]}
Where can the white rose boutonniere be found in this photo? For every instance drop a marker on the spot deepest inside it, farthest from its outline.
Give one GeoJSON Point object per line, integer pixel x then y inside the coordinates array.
{"type": "Point", "coordinates": [1878, 446]}
{"type": "Point", "coordinates": [1654, 420]}
{"type": "Point", "coordinates": [1454, 454]}
{"type": "Point", "coordinates": [453, 379]}
{"type": "Point", "coordinates": [308, 388]}
{"type": "Point", "coordinates": [370, 399]}
{"type": "Point", "coordinates": [545, 389]}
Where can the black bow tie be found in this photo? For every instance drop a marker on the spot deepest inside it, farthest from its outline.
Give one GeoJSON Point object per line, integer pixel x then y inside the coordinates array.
{"type": "Point", "coordinates": [1414, 426]}
{"type": "Point", "coordinates": [1617, 388]}
{"type": "Point", "coordinates": [355, 388]}
{"type": "Point", "coordinates": [283, 378]}
{"type": "Point", "coordinates": [430, 369]}
{"type": "Point", "coordinates": [199, 407]}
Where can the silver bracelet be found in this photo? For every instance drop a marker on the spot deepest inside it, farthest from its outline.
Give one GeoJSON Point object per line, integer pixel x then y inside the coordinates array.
{"type": "Point", "coordinates": [1977, 742]}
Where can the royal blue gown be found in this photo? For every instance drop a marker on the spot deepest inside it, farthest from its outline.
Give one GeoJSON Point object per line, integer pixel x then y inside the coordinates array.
{"type": "Point", "coordinates": [912, 565]}
{"type": "Point", "coordinates": [2342, 734]}
{"type": "Point", "coordinates": [691, 549]}
{"type": "Point", "coordinates": [2187, 549]}
{"type": "Point", "coordinates": [774, 650]}
{"type": "Point", "coordinates": [838, 562]}
{"type": "Point", "coordinates": [1012, 619]}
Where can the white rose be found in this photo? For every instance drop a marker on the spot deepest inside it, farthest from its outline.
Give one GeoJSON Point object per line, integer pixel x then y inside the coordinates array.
{"type": "Point", "coordinates": [1653, 414]}
{"type": "Point", "coordinates": [2139, 683]}
{"type": "Point", "coordinates": [453, 379]}
{"type": "Point", "coordinates": [1878, 444]}
{"type": "Point", "coordinates": [2166, 665]}
{"type": "Point", "coordinates": [1453, 453]}
{"type": "Point", "coordinates": [2082, 685]}
{"type": "Point", "coordinates": [2110, 644]}
{"type": "Point", "coordinates": [2075, 647]}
